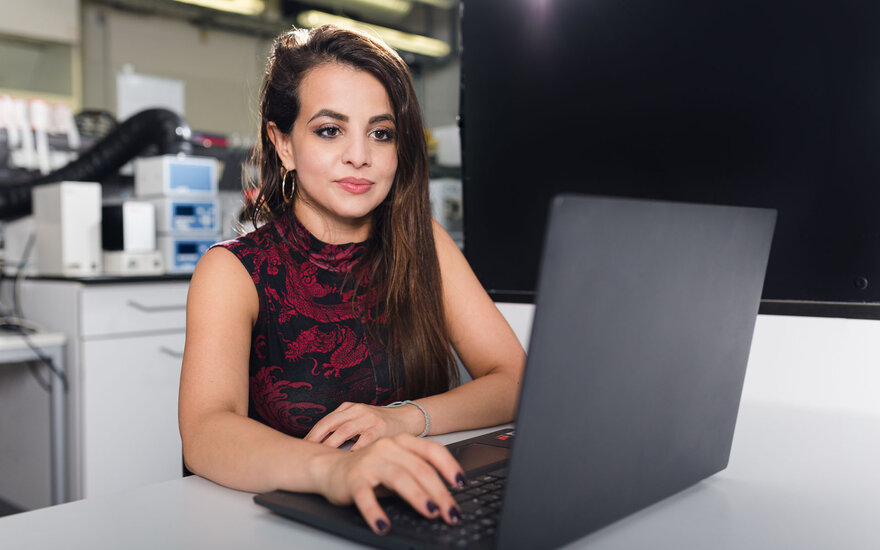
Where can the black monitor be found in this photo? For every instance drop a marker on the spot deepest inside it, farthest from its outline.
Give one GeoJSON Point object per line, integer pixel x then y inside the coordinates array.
{"type": "Point", "coordinates": [766, 103]}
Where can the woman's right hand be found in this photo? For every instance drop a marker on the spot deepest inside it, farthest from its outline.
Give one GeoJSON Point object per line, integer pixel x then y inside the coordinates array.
{"type": "Point", "coordinates": [404, 464]}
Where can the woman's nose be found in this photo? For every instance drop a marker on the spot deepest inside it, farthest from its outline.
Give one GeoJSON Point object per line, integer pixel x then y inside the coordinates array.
{"type": "Point", "coordinates": [356, 153]}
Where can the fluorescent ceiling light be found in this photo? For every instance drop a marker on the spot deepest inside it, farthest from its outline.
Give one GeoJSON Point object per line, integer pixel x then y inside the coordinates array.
{"type": "Point", "coordinates": [245, 7]}
{"type": "Point", "coordinates": [400, 7]}
{"type": "Point", "coordinates": [396, 39]}
{"type": "Point", "coordinates": [446, 4]}
{"type": "Point", "coordinates": [367, 8]}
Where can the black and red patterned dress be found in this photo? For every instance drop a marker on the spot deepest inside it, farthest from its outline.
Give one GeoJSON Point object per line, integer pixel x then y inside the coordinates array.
{"type": "Point", "coordinates": [310, 348]}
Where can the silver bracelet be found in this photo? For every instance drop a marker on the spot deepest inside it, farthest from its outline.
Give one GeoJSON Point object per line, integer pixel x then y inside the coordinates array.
{"type": "Point", "coordinates": [421, 408]}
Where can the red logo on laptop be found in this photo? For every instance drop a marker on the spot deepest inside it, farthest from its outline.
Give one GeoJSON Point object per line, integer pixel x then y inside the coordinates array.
{"type": "Point", "coordinates": [505, 436]}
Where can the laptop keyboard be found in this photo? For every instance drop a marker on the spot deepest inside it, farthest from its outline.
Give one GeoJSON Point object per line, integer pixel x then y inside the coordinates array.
{"type": "Point", "coordinates": [480, 503]}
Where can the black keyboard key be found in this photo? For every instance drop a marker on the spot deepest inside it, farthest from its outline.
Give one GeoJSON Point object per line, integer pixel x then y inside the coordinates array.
{"type": "Point", "coordinates": [479, 501]}
{"type": "Point", "coordinates": [469, 506]}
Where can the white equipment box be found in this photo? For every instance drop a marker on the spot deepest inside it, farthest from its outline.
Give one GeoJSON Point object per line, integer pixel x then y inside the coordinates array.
{"type": "Point", "coordinates": [129, 226]}
{"type": "Point", "coordinates": [120, 262]}
{"type": "Point", "coordinates": [181, 253]}
{"type": "Point", "coordinates": [67, 218]}
{"type": "Point", "coordinates": [175, 175]}
{"type": "Point", "coordinates": [187, 214]}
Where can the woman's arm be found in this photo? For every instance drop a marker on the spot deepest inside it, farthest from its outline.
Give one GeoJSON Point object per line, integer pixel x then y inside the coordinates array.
{"type": "Point", "coordinates": [221, 443]}
{"type": "Point", "coordinates": [484, 342]}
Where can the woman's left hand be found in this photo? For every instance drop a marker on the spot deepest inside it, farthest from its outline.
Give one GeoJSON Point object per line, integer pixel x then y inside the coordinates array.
{"type": "Point", "coordinates": [367, 423]}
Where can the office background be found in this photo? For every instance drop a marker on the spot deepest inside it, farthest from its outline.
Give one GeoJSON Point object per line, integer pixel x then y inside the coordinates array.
{"type": "Point", "coordinates": [83, 54]}
{"type": "Point", "coordinates": [103, 61]}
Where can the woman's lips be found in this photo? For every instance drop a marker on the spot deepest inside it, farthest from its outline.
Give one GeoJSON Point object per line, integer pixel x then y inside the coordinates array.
{"type": "Point", "coordinates": [355, 185]}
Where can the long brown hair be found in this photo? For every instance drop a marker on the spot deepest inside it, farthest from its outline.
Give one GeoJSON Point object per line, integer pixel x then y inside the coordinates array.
{"type": "Point", "coordinates": [400, 264]}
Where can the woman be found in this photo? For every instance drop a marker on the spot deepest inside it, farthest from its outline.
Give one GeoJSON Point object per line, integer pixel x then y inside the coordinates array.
{"type": "Point", "coordinates": [345, 299]}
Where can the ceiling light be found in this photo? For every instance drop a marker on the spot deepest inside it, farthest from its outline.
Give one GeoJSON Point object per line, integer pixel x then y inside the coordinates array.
{"type": "Point", "coordinates": [445, 4]}
{"type": "Point", "coordinates": [244, 7]}
{"type": "Point", "coordinates": [396, 39]}
{"type": "Point", "coordinates": [383, 9]}
{"type": "Point", "coordinates": [400, 7]}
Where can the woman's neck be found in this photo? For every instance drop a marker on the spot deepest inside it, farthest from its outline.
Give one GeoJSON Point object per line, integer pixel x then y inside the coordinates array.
{"type": "Point", "coordinates": [332, 230]}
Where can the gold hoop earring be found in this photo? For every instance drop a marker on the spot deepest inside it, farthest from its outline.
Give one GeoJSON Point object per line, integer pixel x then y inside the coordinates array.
{"type": "Point", "coordinates": [287, 196]}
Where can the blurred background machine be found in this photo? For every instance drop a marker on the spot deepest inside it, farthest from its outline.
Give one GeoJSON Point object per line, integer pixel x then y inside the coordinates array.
{"type": "Point", "coordinates": [67, 218]}
{"type": "Point", "coordinates": [128, 232]}
{"type": "Point", "coordinates": [184, 191]}
{"type": "Point", "coordinates": [161, 220]}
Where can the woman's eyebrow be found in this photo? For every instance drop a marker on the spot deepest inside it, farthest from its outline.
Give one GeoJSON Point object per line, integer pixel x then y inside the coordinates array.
{"type": "Point", "coordinates": [344, 118]}
{"type": "Point", "coordinates": [381, 118]}
{"type": "Point", "coordinates": [329, 113]}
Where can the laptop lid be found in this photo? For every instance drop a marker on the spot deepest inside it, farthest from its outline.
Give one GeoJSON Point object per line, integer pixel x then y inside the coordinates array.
{"type": "Point", "coordinates": [642, 329]}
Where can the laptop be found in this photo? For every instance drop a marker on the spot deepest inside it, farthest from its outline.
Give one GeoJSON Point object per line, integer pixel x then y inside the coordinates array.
{"type": "Point", "coordinates": [642, 328]}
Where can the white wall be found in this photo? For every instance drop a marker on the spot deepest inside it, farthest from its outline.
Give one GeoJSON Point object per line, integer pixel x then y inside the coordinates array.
{"type": "Point", "coordinates": [39, 50]}
{"type": "Point", "coordinates": [441, 95]}
{"type": "Point", "coordinates": [52, 20]}
{"type": "Point", "coordinates": [806, 362]}
{"type": "Point", "coordinates": [818, 363]}
{"type": "Point", "coordinates": [221, 70]}
{"type": "Point", "coordinates": [440, 85]}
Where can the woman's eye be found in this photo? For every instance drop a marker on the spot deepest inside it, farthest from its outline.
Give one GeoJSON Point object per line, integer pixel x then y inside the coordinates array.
{"type": "Point", "coordinates": [383, 135]}
{"type": "Point", "coordinates": [328, 131]}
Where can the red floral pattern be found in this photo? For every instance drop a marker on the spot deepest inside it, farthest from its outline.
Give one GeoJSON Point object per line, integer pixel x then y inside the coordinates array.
{"type": "Point", "coordinates": [310, 349]}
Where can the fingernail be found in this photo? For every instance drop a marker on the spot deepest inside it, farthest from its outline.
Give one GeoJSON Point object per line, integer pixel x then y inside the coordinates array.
{"type": "Point", "coordinates": [454, 515]}
{"type": "Point", "coordinates": [459, 479]}
{"type": "Point", "coordinates": [432, 507]}
{"type": "Point", "coordinates": [381, 526]}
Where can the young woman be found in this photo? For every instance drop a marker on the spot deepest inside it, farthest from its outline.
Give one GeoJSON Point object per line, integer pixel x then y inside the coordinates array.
{"type": "Point", "coordinates": [347, 299]}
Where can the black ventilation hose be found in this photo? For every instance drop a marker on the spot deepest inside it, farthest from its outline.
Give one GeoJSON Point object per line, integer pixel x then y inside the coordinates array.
{"type": "Point", "coordinates": [160, 127]}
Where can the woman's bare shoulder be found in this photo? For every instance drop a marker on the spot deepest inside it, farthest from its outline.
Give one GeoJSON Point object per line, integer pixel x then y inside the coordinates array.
{"type": "Point", "coordinates": [221, 280]}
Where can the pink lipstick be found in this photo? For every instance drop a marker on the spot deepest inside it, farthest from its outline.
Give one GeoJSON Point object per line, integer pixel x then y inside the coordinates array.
{"type": "Point", "coordinates": [356, 186]}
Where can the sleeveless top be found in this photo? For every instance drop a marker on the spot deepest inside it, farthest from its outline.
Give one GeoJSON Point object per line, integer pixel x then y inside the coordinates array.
{"type": "Point", "coordinates": [310, 348]}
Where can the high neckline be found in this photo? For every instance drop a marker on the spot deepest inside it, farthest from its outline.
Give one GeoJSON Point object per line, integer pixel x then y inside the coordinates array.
{"type": "Point", "coordinates": [333, 257]}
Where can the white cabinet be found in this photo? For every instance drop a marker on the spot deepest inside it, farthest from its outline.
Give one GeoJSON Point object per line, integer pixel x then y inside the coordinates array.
{"type": "Point", "coordinates": [124, 351]}
{"type": "Point", "coordinates": [129, 406]}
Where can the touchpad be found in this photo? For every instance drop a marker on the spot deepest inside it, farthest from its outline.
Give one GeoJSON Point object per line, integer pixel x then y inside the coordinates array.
{"type": "Point", "coordinates": [478, 455]}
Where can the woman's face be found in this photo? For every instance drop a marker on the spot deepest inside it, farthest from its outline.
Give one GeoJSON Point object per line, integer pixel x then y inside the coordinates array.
{"type": "Point", "coordinates": [343, 148]}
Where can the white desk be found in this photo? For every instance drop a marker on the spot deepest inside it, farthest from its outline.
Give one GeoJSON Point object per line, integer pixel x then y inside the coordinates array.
{"type": "Point", "coordinates": [15, 349]}
{"type": "Point", "coordinates": [798, 478]}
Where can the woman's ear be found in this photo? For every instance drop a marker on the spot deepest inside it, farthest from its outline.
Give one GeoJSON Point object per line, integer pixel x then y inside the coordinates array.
{"type": "Point", "coordinates": [283, 145]}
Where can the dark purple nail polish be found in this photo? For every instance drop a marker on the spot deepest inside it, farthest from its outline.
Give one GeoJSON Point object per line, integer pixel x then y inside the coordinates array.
{"type": "Point", "coordinates": [381, 526]}
{"type": "Point", "coordinates": [454, 515]}
{"type": "Point", "coordinates": [432, 507]}
{"type": "Point", "coordinates": [459, 479]}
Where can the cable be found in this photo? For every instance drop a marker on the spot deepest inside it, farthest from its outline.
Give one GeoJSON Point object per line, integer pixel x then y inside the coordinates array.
{"type": "Point", "coordinates": [20, 274]}
{"type": "Point", "coordinates": [13, 322]}
{"type": "Point", "coordinates": [45, 384]}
